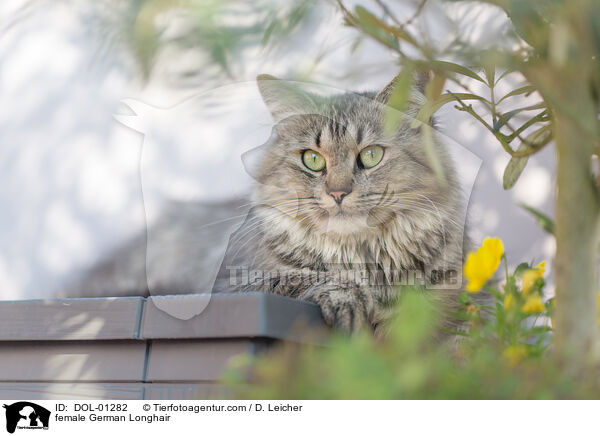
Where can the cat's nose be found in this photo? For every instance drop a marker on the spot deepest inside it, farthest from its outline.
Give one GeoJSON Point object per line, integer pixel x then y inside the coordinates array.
{"type": "Point", "coordinates": [338, 196]}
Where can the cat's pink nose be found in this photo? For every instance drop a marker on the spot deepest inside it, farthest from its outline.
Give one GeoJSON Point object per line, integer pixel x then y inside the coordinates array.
{"type": "Point", "coordinates": [338, 196]}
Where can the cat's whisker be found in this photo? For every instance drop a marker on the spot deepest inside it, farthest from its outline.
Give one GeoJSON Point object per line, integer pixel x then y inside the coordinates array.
{"type": "Point", "coordinates": [305, 218]}
{"type": "Point", "coordinates": [417, 205]}
{"type": "Point", "coordinates": [448, 218]}
{"type": "Point", "coordinates": [416, 198]}
{"type": "Point", "coordinates": [249, 230]}
{"type": "Point", "coordinates": [255, 222]}
{"type": "Point", "coordinates": [258, 221]}
{"type": "Point", "coordinates": [271, 201]}
{"type": "Point", "coordinates": [253, 237]}
{"type": "Point", "coordinates": [221, 221]}
{"type": "Point", "coordinates": [425, 208]}
{"type": "Point", "coordinates": [294, 203]}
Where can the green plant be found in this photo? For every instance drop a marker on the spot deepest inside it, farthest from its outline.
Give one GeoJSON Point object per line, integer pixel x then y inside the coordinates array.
{"type": "Point", "coordinates": [559, 56]}
{"type": "Point", "coordinates": [503, 354]}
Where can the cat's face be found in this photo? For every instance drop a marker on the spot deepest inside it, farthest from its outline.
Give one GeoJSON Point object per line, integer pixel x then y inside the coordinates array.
{"type": "Point", "coordinates": [333, 169]}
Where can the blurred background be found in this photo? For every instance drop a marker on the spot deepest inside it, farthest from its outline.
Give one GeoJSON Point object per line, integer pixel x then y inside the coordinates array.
{"type": "Point", "coordinates": [76, 181]}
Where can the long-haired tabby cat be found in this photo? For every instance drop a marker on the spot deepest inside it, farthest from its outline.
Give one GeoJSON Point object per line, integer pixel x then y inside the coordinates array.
{"type": "Point", "coordinates": [342, 212]}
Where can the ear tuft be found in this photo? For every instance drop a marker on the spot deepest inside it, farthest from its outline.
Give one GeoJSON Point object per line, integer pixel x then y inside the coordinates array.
{"type": "Point", "coordinates": [419, 82]}
{"type": "Point", "coordinates": [384, 95]}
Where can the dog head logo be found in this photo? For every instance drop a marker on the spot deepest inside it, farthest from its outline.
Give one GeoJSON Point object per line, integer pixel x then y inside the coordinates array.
{"type": "Point", "coordinates": [26, 415]}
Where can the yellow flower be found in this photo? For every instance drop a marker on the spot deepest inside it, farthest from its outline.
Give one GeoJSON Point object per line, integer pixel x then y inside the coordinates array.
{"type": "Point", "coordinates": [481, 265]}
{"type": "Point", "coordinates": [529, 276]}
{"type": "Point", "coordinates": [533, 304]}
{"type": "Point", "coordinates": [508, 301]}
{"type": "Point", "coordinates": [514, 354]}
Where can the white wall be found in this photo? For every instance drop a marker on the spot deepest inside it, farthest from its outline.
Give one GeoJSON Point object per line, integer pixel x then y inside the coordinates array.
{"type": "Point", "coordinates": [70, 186]}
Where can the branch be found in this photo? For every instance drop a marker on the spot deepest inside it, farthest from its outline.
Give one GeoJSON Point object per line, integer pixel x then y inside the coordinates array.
{"type": "Point", "coordinates": [415, 15]}
{"type": "Point", "coordinates": [533, 148]}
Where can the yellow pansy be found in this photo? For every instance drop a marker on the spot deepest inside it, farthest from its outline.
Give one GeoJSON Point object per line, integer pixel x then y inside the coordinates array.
{"type": "Point", "coordinates": [508, 301]}
{"type": "Point", "coordinates": [529, 276]}
{"type": "Point", "coordinates": [533, 304]}
{"type": "Point", "coordinates": [514, 354]}
{"type": "Point", "coordinates": [481, 265]}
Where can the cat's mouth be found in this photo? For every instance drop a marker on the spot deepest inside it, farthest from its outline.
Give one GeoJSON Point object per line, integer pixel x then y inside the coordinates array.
{"type": "Point", "coordinates": [344, 223]}
{"type": "Point", "coordinates": [341, 212]}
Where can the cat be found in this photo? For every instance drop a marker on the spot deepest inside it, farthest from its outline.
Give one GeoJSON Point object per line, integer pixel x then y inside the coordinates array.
{"type": "Point", "coordinates": [343, 211]}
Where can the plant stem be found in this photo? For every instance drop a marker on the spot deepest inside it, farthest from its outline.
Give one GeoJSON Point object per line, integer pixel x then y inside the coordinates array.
{"type": "Point", "coordinates": [577, 213]}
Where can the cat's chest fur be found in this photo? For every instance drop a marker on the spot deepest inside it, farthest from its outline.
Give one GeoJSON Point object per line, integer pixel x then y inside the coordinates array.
{"type": "Point", "coordinates": [400, 245]}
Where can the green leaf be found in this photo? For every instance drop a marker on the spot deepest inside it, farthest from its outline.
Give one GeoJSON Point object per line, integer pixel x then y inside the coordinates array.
{"type": "Point", "coordinates": [490, 73]}
{"type": "Point", "coordinates": [529, 21]}
{"type": "Point", "coordinates": [435, 86]}
{"type": "Point", "coordinates": [464, 298]}
{"type": "Point", "coordinates": [367, 17]}
{"type": "Point", "coordinates": [538, 138]}
{"type": "Point", "coordinates": [432, 155]}
{"type": "Point", "coordinates": [513, 170]}
{"type": "Point", "coordinates": [455, 68]}
{"type": "Point", "coordinates": [540, 329]}
{"type": "Point", "coordinates": [535, 140]}
{"type": "Point", "coordinates": [505, 117]}
{"type": "Point", "coordinates": [510, 285]}
{"type": "Point", "coordinates": [431, 107]}
{"type": "Point", "coordinates": [503, 75]}
{"type": "Point", "coordinates": [550, 305]}
{"type": "Point", "coordinates": [376, 28]}
{"type": "Point", "coordinates": [394, 110]}
{"type": "Point", "coordinates": [527, 89]}
{"type": "Point", "coordinates": [523, 266]}
{"type": "Point", "coordinates": [544, 221]}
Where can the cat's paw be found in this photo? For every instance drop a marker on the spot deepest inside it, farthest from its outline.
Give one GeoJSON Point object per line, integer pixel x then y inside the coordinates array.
{"type": "Point", "coordinates": [345, 309]}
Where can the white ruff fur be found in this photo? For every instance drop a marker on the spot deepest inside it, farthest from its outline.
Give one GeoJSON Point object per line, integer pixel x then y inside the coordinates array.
{"type": "Point", "coordinates": [357, 243]}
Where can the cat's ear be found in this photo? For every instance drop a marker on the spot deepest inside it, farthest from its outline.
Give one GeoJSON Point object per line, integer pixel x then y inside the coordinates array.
{"type": "Point", "coordinates": [283, 99]}
{"type": "Point", "coordinates": [420, 79]}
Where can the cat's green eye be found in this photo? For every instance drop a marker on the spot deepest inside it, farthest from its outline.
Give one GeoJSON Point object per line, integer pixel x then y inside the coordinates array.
{"type": "Point", "coordinates": [313, 160]}
{"type": "Point", "coordinates": [371, 156]}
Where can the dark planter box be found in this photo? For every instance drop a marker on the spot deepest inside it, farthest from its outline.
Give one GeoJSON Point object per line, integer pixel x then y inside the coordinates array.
{"type": "Point", "coordinates": [128, 348]}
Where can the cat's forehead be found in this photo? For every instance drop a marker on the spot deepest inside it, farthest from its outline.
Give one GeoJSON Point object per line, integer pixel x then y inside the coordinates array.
{"type": "Point", "coordinates": [350, 109]}
{"type": "Point", "coordinates": [346, 121]}
{"type": "Point", "coordinates": [340, 136]}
